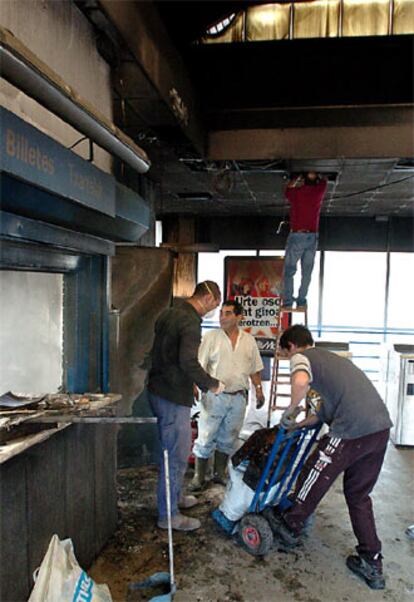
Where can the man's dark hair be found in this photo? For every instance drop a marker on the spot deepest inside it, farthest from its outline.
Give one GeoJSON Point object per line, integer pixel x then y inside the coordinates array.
{"type": "Point", "coordinates": [298, 335]}
{"type": "Point", "coordinates": [208, 287]}
{"type": "Point", "coordinates": [237, 307]}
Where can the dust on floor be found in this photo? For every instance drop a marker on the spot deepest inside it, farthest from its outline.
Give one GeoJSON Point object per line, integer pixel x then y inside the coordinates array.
{"type": "Point", "coordinates": [210, 567]}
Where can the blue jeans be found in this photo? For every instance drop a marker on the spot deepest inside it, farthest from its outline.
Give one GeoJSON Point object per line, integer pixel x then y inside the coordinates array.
{"type": "Point", "coordinates": [300, 246]}
{"type": "Point", "coordinates": [174, 429]}
{"type": "Point", "coordinates": [221, 419]}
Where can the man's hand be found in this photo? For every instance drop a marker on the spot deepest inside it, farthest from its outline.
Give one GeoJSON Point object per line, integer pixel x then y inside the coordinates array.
{"type": "Point", "coordinates": [196, 393]}
{"type": "Point", "coordinates": [296, 182]}
{"type": "Point", "coordinates": [219, 389]}
{"type": "Point", "coordinates": [288, 419]}
{"type": "Point", "coordinates": [260, 402]}
{"type": "Point", "coordinates": [260, 398]}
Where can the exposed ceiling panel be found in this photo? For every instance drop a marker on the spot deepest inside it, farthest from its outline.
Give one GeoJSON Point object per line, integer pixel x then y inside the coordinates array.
{"type": "Point", "coordinates": [365, 187]}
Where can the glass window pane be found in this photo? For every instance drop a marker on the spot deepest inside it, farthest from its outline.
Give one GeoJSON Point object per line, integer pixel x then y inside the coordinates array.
{"type": "Point", "coordinates": [401, 295]}
{"type": "Point", "coordinates": [362, 18]}
{"type": "Point", "coordinates": [313, 293]}
{"type": "Point", "coordinates": [317, 19]}
{"type": "Point", "coordinates": [403, 16]}
{"type": "Point", "coordinates": [232, 32]}
{"type": "Point", "coordinates": [158, 233]}
{"type": "Point", "coordinates": [267, 22]}
{"type": "Point", "coordinates": [354, 289]}
{"type": "Point", "coordinates": [31, 332]}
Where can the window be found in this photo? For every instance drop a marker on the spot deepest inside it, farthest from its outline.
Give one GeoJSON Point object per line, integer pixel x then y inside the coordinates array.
{"type": "Point", "coordinates": [314, 19]}
{"type": "Point", "coordinates": [158, 233]}
{"type": "Point", "coordinates": [354, 289]}
{"type": "Point", "coordinates": [401, 291]}
{"type": "Point", "coordinates": [219, 27]}
{"type": "Point", "coordinates": [31, 332]}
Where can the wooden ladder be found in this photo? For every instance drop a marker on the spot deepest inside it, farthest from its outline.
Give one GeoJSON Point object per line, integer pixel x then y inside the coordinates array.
{"type": "Point", "coordinates": [280, 377]}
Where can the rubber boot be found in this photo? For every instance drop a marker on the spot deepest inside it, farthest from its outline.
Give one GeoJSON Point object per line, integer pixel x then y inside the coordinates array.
{"type": "Point", "coordinates": [220, 468]}
{"type": "Point", "coordinates": [199, 480]}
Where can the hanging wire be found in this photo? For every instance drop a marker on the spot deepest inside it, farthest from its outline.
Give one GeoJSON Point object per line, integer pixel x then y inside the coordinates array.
{"type": "Point", "coordinates": [375, 188]}
{"type": "Point", "coordinates": [249, 190]}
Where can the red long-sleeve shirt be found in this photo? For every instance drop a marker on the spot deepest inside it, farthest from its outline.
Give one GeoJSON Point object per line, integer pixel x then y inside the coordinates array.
{"type": "Point", "coordinates": [305, 206]}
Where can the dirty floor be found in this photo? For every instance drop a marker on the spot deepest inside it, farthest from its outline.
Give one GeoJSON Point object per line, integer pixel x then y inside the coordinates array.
{"type": "Point", "coordinates": [211, 568]}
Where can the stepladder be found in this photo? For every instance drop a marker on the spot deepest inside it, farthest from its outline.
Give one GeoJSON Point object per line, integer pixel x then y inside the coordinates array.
{"type": "Point", "coordinates": [279, 398]}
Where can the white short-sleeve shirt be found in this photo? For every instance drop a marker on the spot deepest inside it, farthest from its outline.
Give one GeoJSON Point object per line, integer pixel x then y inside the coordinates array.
{"type": "Point", "coordinates": [231, 366]}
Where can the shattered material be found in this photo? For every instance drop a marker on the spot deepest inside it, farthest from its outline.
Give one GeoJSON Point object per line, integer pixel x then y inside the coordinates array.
{"type": "Point", "coordinates": [14, 420]}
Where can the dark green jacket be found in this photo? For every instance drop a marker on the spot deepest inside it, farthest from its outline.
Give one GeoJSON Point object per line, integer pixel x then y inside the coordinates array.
{"type": "Point", "coordinates": [175, 366]}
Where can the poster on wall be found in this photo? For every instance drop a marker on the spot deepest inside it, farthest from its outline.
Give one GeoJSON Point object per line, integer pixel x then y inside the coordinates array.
{"type": "Point", "coordinates": [256, 283]}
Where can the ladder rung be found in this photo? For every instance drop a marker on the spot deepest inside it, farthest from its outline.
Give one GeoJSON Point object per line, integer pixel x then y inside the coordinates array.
{"type": "Point", "coordinates": [283, 395]}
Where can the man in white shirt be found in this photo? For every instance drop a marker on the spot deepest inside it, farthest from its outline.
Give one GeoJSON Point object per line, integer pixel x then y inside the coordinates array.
{"type": "Point", "coordinates": [230, 355]}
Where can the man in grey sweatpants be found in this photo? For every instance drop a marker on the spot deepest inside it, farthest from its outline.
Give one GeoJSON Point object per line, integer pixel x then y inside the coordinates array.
{"type": "Point", "coordinates": [355, 446]}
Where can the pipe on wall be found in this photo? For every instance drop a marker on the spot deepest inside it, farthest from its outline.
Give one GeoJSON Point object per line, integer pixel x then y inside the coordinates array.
{"type": "Point", "coordinates": [37, 85]}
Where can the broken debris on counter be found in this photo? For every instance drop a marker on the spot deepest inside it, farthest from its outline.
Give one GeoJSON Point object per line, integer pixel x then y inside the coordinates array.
{"type": "Point", "coordinates": [17, 409]}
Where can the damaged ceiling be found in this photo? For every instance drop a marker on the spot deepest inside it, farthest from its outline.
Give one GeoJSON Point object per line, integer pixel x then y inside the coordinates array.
{"type": "Point", "coordinates": [224, 124]}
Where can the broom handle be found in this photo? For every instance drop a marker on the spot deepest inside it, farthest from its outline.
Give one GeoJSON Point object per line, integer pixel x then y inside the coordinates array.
{"type": "Point", "coordinates": [168, 496]}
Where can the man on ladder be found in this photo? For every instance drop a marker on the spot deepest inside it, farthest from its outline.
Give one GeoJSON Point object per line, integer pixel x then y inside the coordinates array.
{"type": "Point", "coordinates": [305, 194]}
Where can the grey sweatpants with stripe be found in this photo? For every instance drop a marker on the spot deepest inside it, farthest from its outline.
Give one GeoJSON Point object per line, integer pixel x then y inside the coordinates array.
{"type": "Point", "coordinates": [360, 460]}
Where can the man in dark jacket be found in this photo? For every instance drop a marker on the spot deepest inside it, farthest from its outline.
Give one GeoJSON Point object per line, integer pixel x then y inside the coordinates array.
{"type": "Point", "coordinates": [355, 445]}
{"type": "Point", "coordinates": [175, 369]}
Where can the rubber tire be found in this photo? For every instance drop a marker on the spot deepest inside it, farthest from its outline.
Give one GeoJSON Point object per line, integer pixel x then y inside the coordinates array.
{"type": "Point", "coordinates": [255, 535]}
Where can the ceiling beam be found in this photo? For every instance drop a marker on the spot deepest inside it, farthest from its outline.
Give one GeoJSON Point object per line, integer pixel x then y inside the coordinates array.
{"type": "Point", "coordinates": [142, 30]}
{"type": "Point", "coordinates": [391, 140]}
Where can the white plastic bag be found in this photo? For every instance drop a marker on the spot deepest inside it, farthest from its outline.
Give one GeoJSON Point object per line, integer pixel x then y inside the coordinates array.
{"type": "Point", "coordinates": [60, 578]}
{"type": "Point", "coordinates": [238, 496]}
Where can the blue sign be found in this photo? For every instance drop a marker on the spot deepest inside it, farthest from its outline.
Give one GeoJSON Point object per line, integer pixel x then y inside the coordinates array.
{"type": "Point", "coordinates": [130, 206]}
{"type": "Point", "coordinates": [30, 155]}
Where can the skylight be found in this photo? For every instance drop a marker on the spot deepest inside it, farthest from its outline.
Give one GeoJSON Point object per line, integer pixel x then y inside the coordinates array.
{"type": "Point", "coordinates": [219, 27]}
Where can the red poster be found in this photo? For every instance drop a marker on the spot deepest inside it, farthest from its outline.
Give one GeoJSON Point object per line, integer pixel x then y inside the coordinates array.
{"type": "Point", "coordinates": [256, 282]}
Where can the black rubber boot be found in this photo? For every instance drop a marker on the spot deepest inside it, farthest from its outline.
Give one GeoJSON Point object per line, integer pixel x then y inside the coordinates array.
{"type": "Point", "coordinates": [199, 480]}
{"type": "Point", "coordinates": [369, 570]}
{"type": "Point", "coordinates": [220, 468]}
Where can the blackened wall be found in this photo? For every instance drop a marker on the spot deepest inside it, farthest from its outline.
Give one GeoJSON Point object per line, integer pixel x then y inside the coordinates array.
{"type": "Point", "coordinates": [336, 233]}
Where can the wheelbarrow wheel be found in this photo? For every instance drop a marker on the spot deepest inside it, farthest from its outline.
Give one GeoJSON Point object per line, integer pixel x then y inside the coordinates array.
{"type": "Point", "coordinates": [255, 534]}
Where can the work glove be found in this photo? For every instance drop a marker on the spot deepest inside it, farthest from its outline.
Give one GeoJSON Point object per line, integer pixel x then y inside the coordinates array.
{"type": "Point", "coordinates": [288, 419]}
